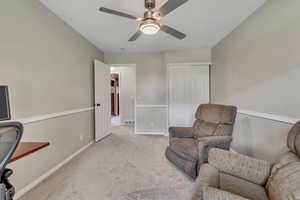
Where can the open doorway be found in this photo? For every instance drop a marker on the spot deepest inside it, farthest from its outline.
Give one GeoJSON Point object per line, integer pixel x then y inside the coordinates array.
{"type": "Point", "coordinates": [123, 92]}
{"type": "Point", "coordinates": [115, 99]}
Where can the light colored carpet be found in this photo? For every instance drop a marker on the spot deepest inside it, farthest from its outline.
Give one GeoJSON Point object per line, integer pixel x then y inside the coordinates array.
{"type": "Point", "coordinates": [121, 167]}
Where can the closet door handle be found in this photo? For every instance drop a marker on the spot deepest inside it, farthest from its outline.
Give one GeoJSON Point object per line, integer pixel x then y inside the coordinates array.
{"type": "Point", "coordinates": [98, 105]}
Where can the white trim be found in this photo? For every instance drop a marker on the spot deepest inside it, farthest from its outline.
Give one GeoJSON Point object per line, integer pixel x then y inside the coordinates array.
{"type": "Point", "coordinates": [121, 65]}
{"type": "Point", "coordinates": [38, 118]}
{"type": "Point", "coordinates": [151, 106]}
{"type": "Point", "coordinates": [150, 133]}
{"type": "Point", "coordinates": [187, 64]}
{"type": "Point", "coordinates": [279, 118]}
{"type": "Point", "coordinates": [48, 173]}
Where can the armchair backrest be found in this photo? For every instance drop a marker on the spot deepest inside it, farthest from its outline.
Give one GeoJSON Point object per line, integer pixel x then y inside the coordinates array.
{"type": "Point", "coordinates": [293, 140]}
{"type": "Point", "coordinates": [214, 120]}
{"type": "Point", "coordinates": [284, 182]}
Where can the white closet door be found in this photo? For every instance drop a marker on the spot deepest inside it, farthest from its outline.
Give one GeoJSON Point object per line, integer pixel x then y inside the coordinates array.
{"type": "Point", "coordinates": [188, 88]}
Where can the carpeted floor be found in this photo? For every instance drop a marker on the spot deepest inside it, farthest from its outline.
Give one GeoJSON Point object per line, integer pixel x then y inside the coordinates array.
{"type": "Point", "coordinates": [121, 167]}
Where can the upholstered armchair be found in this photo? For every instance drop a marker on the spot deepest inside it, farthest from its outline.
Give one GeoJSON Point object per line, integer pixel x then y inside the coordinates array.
{"type": "Point", "coordinates": [232, 176]}
{"type": "Point", "coordinates": [188, 146]}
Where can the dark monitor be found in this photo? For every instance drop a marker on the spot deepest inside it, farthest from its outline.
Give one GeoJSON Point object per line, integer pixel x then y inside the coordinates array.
{"type": "Point", "coordinates": [4, 104]}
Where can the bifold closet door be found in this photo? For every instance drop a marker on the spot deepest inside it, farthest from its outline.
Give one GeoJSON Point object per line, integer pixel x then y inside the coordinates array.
{"type": "Point", "coordinates": [188, 88]}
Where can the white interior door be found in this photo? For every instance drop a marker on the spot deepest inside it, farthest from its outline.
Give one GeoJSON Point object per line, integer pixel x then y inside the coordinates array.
{"type": "Point", "coordinates": [188, 88]}
{"type": "Point", "coordinates": [102, 100]}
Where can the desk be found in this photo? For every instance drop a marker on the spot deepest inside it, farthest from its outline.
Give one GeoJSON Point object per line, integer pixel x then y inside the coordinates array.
{"type": "Point", "coordinates": [26, 148]}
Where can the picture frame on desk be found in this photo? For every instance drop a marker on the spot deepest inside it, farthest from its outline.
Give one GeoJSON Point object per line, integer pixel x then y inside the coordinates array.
{"type": "Point", "coordinates": [5, 113]}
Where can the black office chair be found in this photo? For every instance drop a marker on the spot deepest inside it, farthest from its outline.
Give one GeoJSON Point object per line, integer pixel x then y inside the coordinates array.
{"type": "Point", "coordinates": [10, 136]}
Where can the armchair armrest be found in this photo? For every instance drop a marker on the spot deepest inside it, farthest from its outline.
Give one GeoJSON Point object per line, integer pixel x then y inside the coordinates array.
{"type": "Point", "coordinates": [181, 132]}
{"type": "Point", "coordinates": [206, 143]}
{"type": "Point", "coordinates": [251, 169]}
{"type": "Point", "coordinates": [208, 176]}
{"type": "Point", "coordinates": [210, 193]}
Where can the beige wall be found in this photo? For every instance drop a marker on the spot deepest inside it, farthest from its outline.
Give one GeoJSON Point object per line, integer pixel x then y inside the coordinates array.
{"type": "Point", "coordinates": [257, 68]}
{"type": "Point", "coordinates": [149, 74]}
{"type": "Point", "coordinates": [202, 56]}
{"type": "Point", "coordinates": [151, 70]}
{"type": "Point", "coordinates": [48, 68]}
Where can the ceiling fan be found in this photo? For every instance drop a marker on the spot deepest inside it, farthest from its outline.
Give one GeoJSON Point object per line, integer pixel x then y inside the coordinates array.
{"type": "Point", "coordinates": [149, 24]}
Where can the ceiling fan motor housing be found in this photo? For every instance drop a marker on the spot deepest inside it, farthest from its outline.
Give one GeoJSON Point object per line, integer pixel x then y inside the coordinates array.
{"type": "Point", "coordinates": [148, 14]}
{"type": "Point", "coordinates": [150, 4]}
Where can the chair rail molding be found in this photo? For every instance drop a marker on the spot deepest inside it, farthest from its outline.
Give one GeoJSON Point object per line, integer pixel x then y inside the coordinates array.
{"type": "Point", "coordinates": [151, 106]}
{"type": "Point", "coordinates": [38, 118]}
{"type": "Point", "coordinates": [273, 117]}
{"type": "Point", "coordinates": [188, 64]}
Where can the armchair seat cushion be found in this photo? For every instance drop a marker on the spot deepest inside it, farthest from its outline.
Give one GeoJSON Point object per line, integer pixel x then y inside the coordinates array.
{"type": "Point", "coordinates": [242, 187]}
{"type": "Point", "coordinates": [210, 177]}
{"type": "Point", "coordinates": [186, 148]}
{"type": "Point", "coordinates": [210, 193]}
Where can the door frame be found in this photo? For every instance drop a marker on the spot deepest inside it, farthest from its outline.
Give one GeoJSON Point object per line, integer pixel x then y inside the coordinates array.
{"type": "Point", "coordinates": [119, 75]}
{"type": "Point", "coordinates": [192, 64]}
{"type": "Point", "coordinates": [120, 91]}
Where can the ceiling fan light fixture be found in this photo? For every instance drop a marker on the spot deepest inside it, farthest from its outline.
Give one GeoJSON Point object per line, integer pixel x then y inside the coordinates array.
{"type": "Point", "coordinates": [149, 28]}
{"type": "Point", "coordinates": [149, 25]}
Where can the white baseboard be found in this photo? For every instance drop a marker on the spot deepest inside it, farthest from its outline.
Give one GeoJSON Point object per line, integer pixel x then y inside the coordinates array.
{"type": "Point", "coordinates": [48, 173]}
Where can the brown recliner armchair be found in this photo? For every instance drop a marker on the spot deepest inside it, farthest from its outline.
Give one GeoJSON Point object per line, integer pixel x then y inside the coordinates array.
{"type": "Point", "coordinates": [188, 146]}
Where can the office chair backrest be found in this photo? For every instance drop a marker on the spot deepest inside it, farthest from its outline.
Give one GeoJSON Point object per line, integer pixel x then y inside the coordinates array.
{"type": "Point", "coordinates": [10, 136]}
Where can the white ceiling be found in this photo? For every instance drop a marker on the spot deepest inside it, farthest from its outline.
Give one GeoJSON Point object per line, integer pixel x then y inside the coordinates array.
{"type": "Point", "coordinates": [205, 22]}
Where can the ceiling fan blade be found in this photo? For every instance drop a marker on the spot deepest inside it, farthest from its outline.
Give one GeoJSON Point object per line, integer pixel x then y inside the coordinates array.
{"type": "Point", "coordinates": [172, 31]}
{"type": "Point", "coordinates": [169, 6]}
{"type": "Point", "coordinates": [135, 36]}
{"type": "Point", "coordinates": [118, 13]}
